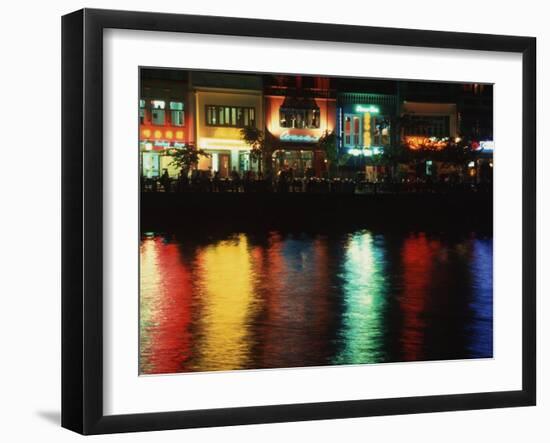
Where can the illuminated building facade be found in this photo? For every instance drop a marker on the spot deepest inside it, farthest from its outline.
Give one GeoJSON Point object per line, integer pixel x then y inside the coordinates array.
{"type": "Point", "coordinates": [164, 119]}
{"type": "Point", "coordinates": [365, 128]}
{"type": "Point", "coordinates": [298, 112]}
{"type": "Point", "coordinates": [429, 125]}
{"type": "Point", "coordinates": [225, 104]}
{"type": "Point", "coordinates": [435, 121]}
{"type": "Point", "coordinates": [433, 112]}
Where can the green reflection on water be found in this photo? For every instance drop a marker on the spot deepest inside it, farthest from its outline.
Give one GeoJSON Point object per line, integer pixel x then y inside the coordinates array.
{"type": "Point", "coordinates": [364, 302]}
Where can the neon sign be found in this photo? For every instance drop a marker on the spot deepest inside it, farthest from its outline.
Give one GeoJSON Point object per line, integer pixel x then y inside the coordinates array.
{"type": "Point", "coordinates": [367, 152]}
{"type": "Point", "coordinates": [306, 138]}
{"type": "Point", "coordinates": [367, 108]}
{"type": "Point", "coordinates": [488, 145]}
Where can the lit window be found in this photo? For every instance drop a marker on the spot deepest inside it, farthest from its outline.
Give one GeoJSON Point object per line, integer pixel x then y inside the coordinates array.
{"type": "Point", "coordinates": [352, 130]}
{"type": "Point", "coordinates": [141, 111]}
{"type": "Point", "coordinates": [232, 116]}
{"type": "Point", "coordinates": [299, 118]}
{"type": "Point", "coordinates": [381, 130]}
{"type": "Point", "coordinates": [157, 112]}
{"type": "Point", "coordinates": [177, 113]}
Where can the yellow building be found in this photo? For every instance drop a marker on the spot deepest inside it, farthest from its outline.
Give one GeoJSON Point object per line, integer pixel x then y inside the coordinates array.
{"type": "Point", "coordinates": [224, 104]}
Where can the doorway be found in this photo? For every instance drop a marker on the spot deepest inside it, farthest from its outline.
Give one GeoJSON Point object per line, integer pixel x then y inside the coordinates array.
{"type": "Point", "coordinates": [224, 165]}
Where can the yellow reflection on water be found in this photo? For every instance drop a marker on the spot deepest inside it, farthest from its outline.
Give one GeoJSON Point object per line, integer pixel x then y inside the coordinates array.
{"type": "Point", "coordinates": [364, 301]}
{"type": "Point", "coordinates": [225, 282]}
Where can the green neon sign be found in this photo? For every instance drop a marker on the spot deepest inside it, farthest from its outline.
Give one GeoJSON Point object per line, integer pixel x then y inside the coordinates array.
{"type": "Point", "coordinates": [367, 108]}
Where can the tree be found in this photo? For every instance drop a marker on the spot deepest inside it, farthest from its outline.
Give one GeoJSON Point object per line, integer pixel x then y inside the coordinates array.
{"type": "Point", "coordinates": [186, 157]}
{"type": "Point", "coordinates": [328, 144]}
{"type": "Point", "coordinates": [261, 145]}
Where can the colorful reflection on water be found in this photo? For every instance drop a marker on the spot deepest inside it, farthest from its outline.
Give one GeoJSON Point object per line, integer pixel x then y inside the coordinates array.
{"type": "Point", "coordinates": [274, 300]}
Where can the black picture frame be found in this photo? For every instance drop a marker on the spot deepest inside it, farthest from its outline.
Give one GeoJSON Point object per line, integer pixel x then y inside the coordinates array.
{"type": "Point", "coordinates": [82, 215]}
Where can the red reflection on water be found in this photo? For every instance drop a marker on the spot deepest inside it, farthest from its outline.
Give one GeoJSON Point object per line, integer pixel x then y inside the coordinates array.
{"type": "Point", "coordinates": [322, 313]}
{"type": "Point", "coordinates": [166, 298]}
{"type": "Point", "coordinates": [271, 286]}
{"type": "Point", "coordinates": [417, 258]}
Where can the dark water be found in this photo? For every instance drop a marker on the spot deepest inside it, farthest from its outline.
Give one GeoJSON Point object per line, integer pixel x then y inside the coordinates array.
{"type": "Point", "coordinates": [273, 300]}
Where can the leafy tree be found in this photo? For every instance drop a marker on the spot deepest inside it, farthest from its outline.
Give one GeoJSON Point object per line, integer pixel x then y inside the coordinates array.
{"type": "Point", "coordinates": [328, 144]}
{"type": "Point", "coordinates": [186, 157]}
{"type": "Point", "coordinates": [261, 143]}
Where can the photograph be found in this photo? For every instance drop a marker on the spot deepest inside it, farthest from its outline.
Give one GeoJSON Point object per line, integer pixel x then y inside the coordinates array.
{"type": "Point", "coordinates": [294, 220]}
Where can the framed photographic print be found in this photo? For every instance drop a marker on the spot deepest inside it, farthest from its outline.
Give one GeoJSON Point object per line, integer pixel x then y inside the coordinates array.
{"type": "Point", "coordinates": [269, 221]}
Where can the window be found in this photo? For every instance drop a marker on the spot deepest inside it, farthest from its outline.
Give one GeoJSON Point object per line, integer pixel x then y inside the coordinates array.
{"type": "Point", "coordinates": [232, 116]}
{"type": "Point", "coordinates": [352, 130]}
{"type": "Point", "coordinates": [176, 113]}
{"type": "Point", "coordinates": [141, 112]}
{"type": "Point", "coordinates": [381, 134]}
{"type": "Point", "coordinates": [428, 126]}
{"type": "Point", "coordinates": [299, 118]}
{"type": "Point", "coordinates": [157, 112]}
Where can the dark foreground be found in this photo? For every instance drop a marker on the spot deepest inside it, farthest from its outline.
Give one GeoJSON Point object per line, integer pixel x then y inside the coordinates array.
{"type": "Point", "coordinates": [303, 212]}
{"type": "Point", "coordinates": [238, 282]}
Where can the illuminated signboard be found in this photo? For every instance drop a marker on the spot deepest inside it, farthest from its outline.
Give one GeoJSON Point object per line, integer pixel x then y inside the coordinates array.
{"type": "Point", "coordinates": [487, 145]}
{"type": "Point", "coordinates": [306, 138]}
{"type": "Point", "coordinates": [167, 134]}
{"type": "Point", "coordinates": [367, 108]}
{"type": "Point", "coordinates": [367, 152]}
{"type": "Point", "coordinates": [162, 144]}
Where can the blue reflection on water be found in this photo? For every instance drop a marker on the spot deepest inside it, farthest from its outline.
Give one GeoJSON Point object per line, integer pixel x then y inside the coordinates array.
{"type": "Point", "coordinates": [481, 326]}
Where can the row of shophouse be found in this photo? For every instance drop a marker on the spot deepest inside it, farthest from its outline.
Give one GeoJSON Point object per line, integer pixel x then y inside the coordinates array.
{"type": "Point", "coordinates": [209, 109]}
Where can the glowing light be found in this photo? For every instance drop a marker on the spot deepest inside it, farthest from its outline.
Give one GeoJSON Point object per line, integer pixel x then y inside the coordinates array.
{"type": "Point", "coordinates": [222, 143]}
{"type": "Point", "coordinates": [215, 162]}
{"type": "Point", "coordinates": [472, 164]}
{"type": "Point", "coordinates": [306, 138]}
{"type": "Point", "coordinates": [367, 152]}
{"type": "Point", "coordinates": [367, 108]}
{"type": "Point", "coordinates": [146, 133]}
{"type": "Point", "coordinates": [158, 134]}
{"type": "Point", "coordinates": [179, 134]}
{"type": "Point", "coordinates": [458, 139]}
{"type": "Point", "coordinates": [169, 135]}
{"type": "Point", "coordinates": [418, 142]}
{"type": "Point", "coordinates": [367, 140]}
{"type": "Point", "coordinates": [162, 144]}
{"type": "Point", "coordinates": [487, 145]}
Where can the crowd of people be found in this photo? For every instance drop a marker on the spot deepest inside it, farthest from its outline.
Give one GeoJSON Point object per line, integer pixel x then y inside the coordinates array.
{"type": "Point", "coordinates": [284, 181]}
